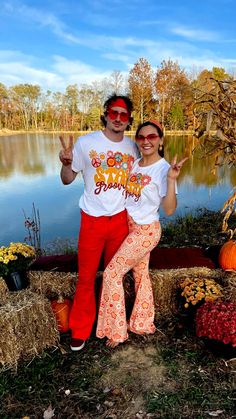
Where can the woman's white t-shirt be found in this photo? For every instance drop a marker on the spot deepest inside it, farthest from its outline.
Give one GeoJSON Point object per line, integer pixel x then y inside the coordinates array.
{"type": "Point", "coordinates": [145, 189]}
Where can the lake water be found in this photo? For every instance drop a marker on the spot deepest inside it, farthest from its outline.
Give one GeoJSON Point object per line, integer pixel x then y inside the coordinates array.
{"type": "Point", "coordinates": [30, 173]}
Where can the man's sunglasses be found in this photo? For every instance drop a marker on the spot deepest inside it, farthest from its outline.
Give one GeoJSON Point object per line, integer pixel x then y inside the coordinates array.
{"type": "Point", "coordinates": [149, 137]}
{"type": "Point", "coordinates": [112, 114]}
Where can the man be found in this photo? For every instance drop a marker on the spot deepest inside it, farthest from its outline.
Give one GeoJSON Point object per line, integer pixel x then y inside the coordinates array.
{"type": "Point", "coordinates": [105, 159]}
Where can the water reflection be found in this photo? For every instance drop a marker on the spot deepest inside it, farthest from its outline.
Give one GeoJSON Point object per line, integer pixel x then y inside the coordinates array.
{"type": "Point", "coordinates": [29, 154]}
{"type": "Point", "coordinates": [29, 172]}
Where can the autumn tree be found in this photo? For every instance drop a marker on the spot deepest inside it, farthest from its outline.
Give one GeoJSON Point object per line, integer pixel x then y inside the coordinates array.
{"type": "Point", "coordinates": [4, 106]}
{"type": "Point", "coordinates": [203, 86]}
{"type": "Point", "coordinates": [117, 82]}
{"type": "Point", "coordinates": [24, 98]}
{"type": "Point", "coordinates": [140, 83]}
{"type": "Point", "coordinates": [86, 98]}
{"type": "Point", "coordinates": [171, 85]}
{"type": "Point", "coordinates": [46, 113]}
{"type": "Point", "coordinates": [72, 98]}
{"type": "Point", "coordinates": [176, 116]}
{"type": "Point", "coordinates": [60, 120]}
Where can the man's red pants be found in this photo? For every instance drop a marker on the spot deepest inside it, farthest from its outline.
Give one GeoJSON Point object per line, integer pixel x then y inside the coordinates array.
{"type": "Point", "coordinates": [97, 235]}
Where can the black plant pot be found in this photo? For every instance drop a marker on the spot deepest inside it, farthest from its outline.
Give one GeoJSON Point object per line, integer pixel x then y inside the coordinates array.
{"type": "Point", "coordinates": [219, 348]}
{"type": "Point", "coordinates": [17, 281]}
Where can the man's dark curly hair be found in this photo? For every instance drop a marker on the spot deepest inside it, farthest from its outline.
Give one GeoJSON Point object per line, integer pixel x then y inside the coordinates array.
{"type": "Point", "coordinates": [112, 99]}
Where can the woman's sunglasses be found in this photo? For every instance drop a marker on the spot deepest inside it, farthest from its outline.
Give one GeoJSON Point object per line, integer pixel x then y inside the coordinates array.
{"type": "Point", "coordinates": [149, 137]}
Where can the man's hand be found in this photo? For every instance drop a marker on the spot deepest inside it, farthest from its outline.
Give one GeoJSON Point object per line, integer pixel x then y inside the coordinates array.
{"type": "Point", "coordinates": [65, 154]}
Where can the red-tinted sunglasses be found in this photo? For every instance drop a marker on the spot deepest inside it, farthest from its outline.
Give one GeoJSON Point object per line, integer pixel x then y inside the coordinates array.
{"type": "Point", "coordinates": [124, 116]}
{"type": "Point", "coordinates": [149, 137]}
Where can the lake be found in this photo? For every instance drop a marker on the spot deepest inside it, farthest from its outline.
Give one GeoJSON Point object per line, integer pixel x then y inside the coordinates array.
{"type": "Point", "coordinates": [30, 173]}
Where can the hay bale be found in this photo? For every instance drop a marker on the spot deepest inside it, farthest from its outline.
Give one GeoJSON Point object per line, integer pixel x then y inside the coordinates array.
{"type": "Point", "coordinates": [4, 292]}
{"type": "Point", "coordinates": [27, 327]}
{"type": "Point", "coordinates": [165, 284]}
{"type": "Point", "coordinates": [164, 281]}
{"type": "Point", "coordinates": [228, 282]}
{"type": "Point", "coordinates": [51, 284]}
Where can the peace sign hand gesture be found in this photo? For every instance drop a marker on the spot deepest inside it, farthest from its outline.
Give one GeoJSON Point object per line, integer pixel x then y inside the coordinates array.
{"type": "Point", "coordinates": [65, 154]}
{"type": "Point", "coordinates": [175, 168]}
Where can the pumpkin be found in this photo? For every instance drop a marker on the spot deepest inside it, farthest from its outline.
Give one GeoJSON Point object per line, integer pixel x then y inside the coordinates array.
{"type": "Point", "coordinates": [227, 256]}
{"type": "Point", "coordinates": [61, 309]}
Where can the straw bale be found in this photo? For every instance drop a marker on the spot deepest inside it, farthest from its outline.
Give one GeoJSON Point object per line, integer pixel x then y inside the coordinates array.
{"type": "Point", "coordinates": [165, 284]}
{"type": "Point", "coordinates": [51, 284]}
{"type": "Point", "coordinates": [27, 327]}
{"type": "Point", "coordinates": [228, 281]}
{"type": "Point", "coordinates": [4, 292]}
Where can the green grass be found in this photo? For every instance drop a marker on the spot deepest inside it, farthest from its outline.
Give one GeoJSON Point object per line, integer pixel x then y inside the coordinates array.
{"type": "Point", "coordinates": [203, 229]}
{"type": "Point", "coordinates": [101, 381]}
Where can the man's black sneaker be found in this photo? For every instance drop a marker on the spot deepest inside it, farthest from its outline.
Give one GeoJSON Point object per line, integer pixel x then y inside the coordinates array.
{"type": "Point", "coordinates": [77, 344]}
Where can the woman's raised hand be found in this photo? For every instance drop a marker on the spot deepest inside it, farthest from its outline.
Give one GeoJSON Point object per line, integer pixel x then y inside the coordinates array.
{"type": "Point", "coordinates": [175, 168]}
{"type": "Point", "coordinates": [65, 154]}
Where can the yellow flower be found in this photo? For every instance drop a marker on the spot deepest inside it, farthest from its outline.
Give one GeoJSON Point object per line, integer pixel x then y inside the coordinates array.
{"type": "Point", "coordinates": [199, 289]}
{"type": "Point", "coordinates": [16, 256]}
{"type": "Point", "coordinates": [93, 154]}
{"type": "Point", "coordinates": [125, 158]}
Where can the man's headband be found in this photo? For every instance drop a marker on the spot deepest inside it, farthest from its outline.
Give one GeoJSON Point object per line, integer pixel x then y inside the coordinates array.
{"type": "Point", "coordinates": [119, 102]}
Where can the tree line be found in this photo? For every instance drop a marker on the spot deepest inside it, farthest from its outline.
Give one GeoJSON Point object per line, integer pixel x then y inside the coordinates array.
{"type": "Point", "coordinates": [168, 93]}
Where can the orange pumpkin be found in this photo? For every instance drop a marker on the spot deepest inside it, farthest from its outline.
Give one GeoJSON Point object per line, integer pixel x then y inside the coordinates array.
{"type": "Point", "coordinates": [61, 308]}
{"type": "Point", "coordinates": [227, 256]}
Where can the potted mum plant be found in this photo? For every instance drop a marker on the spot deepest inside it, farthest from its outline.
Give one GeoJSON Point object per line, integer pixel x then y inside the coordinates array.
{"type": "Point", "coordinates": [216, 321]}
{"type": "Point", "coordinates": [14, 262]}
{"type": "Point", "coordinates": [193, 292]}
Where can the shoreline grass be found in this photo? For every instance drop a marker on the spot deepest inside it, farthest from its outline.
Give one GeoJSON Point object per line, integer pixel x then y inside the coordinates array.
{"type": "Point", "coordinates": [203, 228]}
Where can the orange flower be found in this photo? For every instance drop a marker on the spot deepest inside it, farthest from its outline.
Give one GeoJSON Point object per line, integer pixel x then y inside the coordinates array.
{"type": "Point", "coordinates": [111, 162]}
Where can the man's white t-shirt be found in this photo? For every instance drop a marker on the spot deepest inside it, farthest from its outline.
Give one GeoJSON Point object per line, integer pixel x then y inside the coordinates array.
{"type": "Point", "coordinates": [145, 189]}
{"type": "Point", "coordinates": [105, 166]}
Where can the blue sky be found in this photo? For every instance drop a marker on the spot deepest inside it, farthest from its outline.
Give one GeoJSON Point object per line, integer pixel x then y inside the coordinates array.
{"type": "Point", "coordinates": [57, 43]}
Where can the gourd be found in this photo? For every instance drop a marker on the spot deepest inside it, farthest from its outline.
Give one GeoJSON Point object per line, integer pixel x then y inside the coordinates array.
{"type": "Point", "coordinates": [227, 256]}
{"type": "Point", "coordinates": [61, 308]}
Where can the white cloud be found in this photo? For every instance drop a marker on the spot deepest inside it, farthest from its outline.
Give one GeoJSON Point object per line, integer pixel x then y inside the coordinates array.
{"type": "Point", "coordinates": [107, 52]}
{"type": "Point", "coordinates": [117, 57]}
{"type": "Point", "coordinates": [16, 68]}
{"type": "Point", "coordinates": [75, 71]}
{"type": "Point", "coordinates": [63, 72]}
{"type": "Point", "coordinates": [195, 34]}
{"type": "Point", "coordinates": [16, 72]}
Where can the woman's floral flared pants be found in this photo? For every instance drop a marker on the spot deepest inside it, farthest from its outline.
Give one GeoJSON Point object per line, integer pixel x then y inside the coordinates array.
{"type": "Point", "coordinates": [134, 253]}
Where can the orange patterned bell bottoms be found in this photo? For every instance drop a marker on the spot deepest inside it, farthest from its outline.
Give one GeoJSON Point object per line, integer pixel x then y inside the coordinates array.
{"type": "Point", "coordinates": [134, 253]}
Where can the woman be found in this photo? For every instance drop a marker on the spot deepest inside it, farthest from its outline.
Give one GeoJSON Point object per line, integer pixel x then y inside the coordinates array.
{"type": "Point", "coordinates": [152, 182]}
